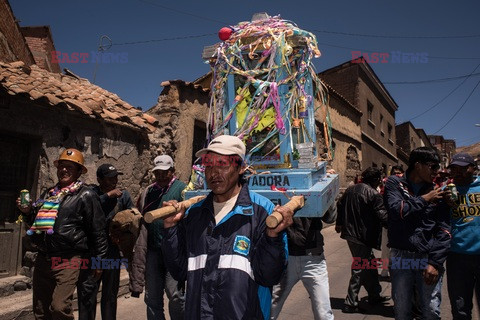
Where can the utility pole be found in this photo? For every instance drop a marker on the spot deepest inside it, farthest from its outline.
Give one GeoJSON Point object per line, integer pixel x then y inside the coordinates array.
{"type": "Point", "coordinates": [104, 45]}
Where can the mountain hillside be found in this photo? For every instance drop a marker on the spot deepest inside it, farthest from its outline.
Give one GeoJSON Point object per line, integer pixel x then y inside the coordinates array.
{"type": "Point", "coordinates": [473, 149]}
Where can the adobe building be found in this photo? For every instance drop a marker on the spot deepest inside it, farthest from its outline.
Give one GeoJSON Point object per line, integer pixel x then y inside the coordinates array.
{"type": "Point", "coordinates": [358, 83]}
{"type": "Point", "coordinates": [346, 135]}
{"type": "Point", "coordinates": [182, 115]}
{"type": "Point", "coordinates": [408, 139]}
{"type": "Point", "coordinates": [446, 148]}
{"type": "Point", "coordinates": [42, 112]}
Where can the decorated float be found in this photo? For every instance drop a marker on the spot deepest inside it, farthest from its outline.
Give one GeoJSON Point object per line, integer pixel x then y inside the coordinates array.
{"type": "Point", "coordinates": [265, 91]}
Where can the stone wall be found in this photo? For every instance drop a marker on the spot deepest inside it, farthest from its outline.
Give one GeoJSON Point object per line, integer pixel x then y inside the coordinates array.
{"type": "Point", "coordinates": [346, 134]}
{"type": "Point", "coordinates": [49, 132]}
{"type": "Point", "coordinates": [179, 105]}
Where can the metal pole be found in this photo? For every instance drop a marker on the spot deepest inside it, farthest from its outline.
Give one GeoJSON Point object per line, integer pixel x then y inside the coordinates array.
{"type": "Point", "coordinates": [101, 48]}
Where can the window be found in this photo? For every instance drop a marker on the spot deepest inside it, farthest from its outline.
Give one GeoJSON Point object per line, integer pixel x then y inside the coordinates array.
{"type": "Point", "coordinates": [390, 134]}
{"type": "Point", "coordinates": [370, 110]}
{"type": "Point", "coordinates": [381, 126]}
{"type": "Point", "coordinates": [199, 137]}
{"type": "Point", "coordinates": [370, 114]}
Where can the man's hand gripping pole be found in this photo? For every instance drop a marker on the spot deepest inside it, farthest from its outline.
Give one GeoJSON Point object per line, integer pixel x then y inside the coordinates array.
{"type": "Point", "coordinates": [167, 211]}
{"type": "Point", "coordinates": [295, 203]}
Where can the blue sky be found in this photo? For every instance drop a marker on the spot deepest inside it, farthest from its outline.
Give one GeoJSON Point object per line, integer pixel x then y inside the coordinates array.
{"type": "Point", "coordinates": [440, 29]}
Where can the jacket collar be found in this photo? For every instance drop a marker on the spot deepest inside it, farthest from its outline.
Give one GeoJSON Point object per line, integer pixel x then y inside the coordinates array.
{"type": "Point", "coordinates": [242, 206]}
{"type": "Point", "coordinates": [425, 188]}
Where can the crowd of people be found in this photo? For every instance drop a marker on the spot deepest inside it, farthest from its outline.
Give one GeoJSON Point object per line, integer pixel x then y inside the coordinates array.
{"type": "Point", "coordinates": [431, 230]}
{"type": "Point", "coordinates": [218, 259]}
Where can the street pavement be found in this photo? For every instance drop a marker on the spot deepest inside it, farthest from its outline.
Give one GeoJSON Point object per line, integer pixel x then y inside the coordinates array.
{"type": "Point", "coordinates": [297, 306]}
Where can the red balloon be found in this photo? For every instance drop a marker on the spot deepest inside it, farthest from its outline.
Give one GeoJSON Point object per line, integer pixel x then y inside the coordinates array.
{"type": "Point", "coordinates": [225, 33]}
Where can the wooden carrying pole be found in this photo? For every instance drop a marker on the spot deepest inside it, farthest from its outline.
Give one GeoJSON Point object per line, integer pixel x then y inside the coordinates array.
{"type": "Point", "coordinates": [295, 203]}
{"type": "Point", "coordinates": [164, 212]}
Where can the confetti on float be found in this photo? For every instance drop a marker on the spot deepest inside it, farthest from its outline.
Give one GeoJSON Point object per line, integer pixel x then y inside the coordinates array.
{"type": "Point", "coordinates": [275, 83]}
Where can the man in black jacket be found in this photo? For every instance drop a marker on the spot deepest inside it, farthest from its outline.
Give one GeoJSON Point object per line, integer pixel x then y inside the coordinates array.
{"type": "Point", "coordinates": [112, 200]}
{"type": "Point", "coordinates": [418, 235]}
{"type": "Point", "coordinates": [65, 222]}
{"type": "Point", "coordinates": [361, 214]}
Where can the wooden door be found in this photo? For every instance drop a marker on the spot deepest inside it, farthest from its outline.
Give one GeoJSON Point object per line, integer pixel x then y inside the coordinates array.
{"type": "Point", "coordinates": [13, 178]}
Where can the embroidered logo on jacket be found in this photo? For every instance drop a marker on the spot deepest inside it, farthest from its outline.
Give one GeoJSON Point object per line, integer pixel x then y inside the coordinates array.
{"type": "Point", "coordinates": [241, 245]}
{"type": "Point", "coordinates": [247, 211]}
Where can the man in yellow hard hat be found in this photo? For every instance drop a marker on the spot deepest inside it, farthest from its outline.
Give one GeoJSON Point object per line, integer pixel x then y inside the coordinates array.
{"type": "Point", "coordinates": [66, 222]}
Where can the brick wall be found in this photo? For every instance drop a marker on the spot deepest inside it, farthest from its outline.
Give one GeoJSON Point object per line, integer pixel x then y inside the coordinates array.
{"type": "Point", "coordinates": [344, 81]}
{"type": "Point", "coordinates": [12, 42]}
{"type": "Point", "coordinates": [40, 42]}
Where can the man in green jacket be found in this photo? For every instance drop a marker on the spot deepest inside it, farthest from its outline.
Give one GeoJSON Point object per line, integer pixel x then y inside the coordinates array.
{"type": "Point", "coordinates": [148, 267]}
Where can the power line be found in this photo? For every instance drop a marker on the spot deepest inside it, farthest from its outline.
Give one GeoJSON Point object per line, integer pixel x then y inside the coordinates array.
{"type": "Point", "coordinates": [370, 51]}
{"type": "Point", "coordinates": [385, 82]}
{"type": "Point", "coordinates": [433, 80]}
{"type": "Point", "coordinates": [323, 31]}
{"type": "Point", "coordinates": [164, 39]}
{"type": "Point", "coordinates": [326, 44]}
{"type": "Point", "coordinates": [443, 99]}
{"type": "Point", "coordinates": [396, 36]}
{"type": "Point", "coordinates": [451, 118]}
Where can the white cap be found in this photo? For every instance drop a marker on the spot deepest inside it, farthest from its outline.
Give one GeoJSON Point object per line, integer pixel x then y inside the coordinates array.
{"type": "Point", "coordinates": [226, 145]}
{"type": "Point", "coordinates": [162, 163]}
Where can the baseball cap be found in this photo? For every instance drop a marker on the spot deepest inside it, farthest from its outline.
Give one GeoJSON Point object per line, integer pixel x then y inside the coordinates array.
{"type": "Point", "coordinates": [226, 145]}
{"type": "Point", "coordinates": [462, 159]}
{"type": "Point", "coordinates": [107, 170]}
{"type": "Point", "coordinates": [163, 162]}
